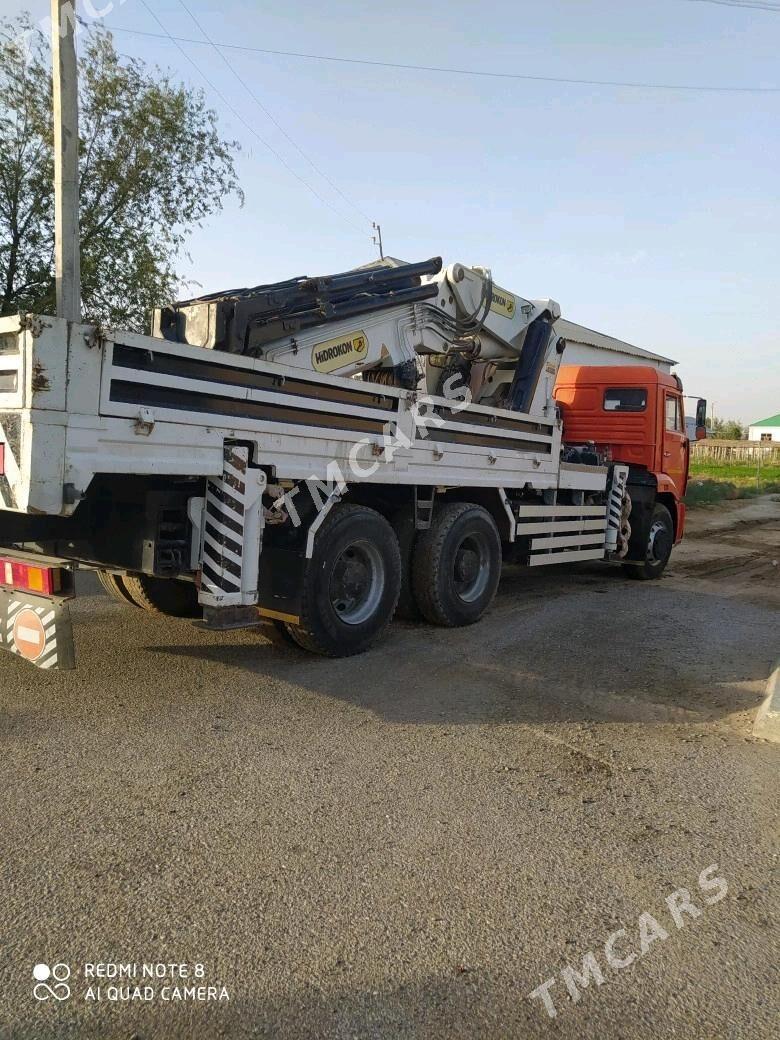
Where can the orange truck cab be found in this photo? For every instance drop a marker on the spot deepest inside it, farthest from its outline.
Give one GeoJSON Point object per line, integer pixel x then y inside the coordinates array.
{"type": "Point", "coordinates": [634, 414]}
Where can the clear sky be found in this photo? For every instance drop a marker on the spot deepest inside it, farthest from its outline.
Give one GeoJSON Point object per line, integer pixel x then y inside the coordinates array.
{"type": "Point", "coordinates": [651, 215]}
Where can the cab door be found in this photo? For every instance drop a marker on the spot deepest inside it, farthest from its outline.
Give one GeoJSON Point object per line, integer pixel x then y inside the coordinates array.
{"type": "Point", "coordinates": [674, 462]}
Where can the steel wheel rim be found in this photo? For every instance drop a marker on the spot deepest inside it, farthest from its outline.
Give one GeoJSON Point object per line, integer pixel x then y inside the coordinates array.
{"type": "Point", "coordinates": [659, 527]}
{"type": "Point", "coordinates": [357, 582]}
{"type": "Point", "coordinates": [471, 567]}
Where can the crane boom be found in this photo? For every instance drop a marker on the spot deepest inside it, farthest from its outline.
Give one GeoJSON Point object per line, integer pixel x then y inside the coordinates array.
{"type": "Point", "coordinates": [416, 326]}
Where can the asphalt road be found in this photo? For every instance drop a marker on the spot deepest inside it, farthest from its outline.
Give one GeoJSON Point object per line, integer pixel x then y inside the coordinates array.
{"type": "Point", "coordinates": [407, 843]}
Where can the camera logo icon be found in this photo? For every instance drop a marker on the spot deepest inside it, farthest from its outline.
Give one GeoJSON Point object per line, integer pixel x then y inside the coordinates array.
{"type": "Point", "coordinates": [51, 983]}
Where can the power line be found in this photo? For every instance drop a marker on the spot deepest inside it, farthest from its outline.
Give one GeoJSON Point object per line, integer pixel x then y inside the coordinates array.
{"type": "Point", "coordinates": [276, 123]}
{"type": "Point", "coordinates": [751, 5]}
{"type": "Point", "coordinates": [702, 88]}
{"type": "Point", "coordinates": [237, 115]}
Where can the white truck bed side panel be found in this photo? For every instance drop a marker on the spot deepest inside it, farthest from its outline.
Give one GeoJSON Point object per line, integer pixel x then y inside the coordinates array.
{"type": "Point", "coordinates": [96, 402]}
{"type": "Point", "coordinates": [32, 414]}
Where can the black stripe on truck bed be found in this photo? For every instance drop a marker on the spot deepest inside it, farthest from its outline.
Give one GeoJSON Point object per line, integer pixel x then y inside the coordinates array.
{"type": "Point", "coordinates": [188, 400]}
{"type": "Point", "coordinates": [211, 404]}
{"type": "Point", "coordinates": [141, 360]}
{"type": "Point", "coordinates": [124, 392]}
{"type": "Point", "coordinates": [480, 440]}
{"type": "Point", "coordinates": [214, 372]}
{"type": "Point", "coordinates": [496, 422]}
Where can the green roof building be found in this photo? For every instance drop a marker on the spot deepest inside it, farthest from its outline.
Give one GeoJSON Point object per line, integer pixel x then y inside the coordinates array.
{"type": "Point", "coordinates": [765, 429]}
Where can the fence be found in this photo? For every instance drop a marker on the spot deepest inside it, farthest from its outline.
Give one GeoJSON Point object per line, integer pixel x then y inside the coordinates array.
{"type": "Point", "coordinates": [723, 452]}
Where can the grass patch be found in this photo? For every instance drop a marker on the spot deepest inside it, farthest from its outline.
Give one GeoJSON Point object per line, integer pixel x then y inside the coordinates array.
{"type": "Point", "coordinates": [738, 473]}
{"type": "Point", "coordinates": [710, 483]}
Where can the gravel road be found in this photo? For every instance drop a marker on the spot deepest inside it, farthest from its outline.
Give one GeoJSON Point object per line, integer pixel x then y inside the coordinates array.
{"type": "Point", "coordinates": [407, 843]}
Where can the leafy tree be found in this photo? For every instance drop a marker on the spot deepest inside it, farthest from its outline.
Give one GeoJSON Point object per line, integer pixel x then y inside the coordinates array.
{"type": "Point", "coordinates": [152, 167]}
{"type": "Point", "coordinates": [726, 429]}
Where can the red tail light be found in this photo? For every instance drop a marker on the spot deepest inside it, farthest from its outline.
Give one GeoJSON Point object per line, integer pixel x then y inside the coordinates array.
{"type": "Point", "coordinates": [46, 581]}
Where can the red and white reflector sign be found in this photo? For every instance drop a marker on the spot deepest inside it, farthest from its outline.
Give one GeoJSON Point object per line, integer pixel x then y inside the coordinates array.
{"type": "Point", "coordinates": [29, 634]}
{"type": "Point", "coordinates": [36, 629]}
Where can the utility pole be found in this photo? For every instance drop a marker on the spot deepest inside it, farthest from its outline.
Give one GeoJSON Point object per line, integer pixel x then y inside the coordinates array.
{"type": "Point", "coordinates": [378, 239]}
{"type": "Point", "coordinates": [67, 260]}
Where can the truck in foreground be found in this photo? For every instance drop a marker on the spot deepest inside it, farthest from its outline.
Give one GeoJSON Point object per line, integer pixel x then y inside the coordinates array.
{"type": "Point", "coordinates": [322, 454]}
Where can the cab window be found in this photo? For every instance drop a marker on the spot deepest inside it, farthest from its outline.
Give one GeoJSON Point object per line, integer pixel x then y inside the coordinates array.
{"type": "Point", "coordinates": [673, 414]}
{"type": "Point", "coordinates": [625, 399]}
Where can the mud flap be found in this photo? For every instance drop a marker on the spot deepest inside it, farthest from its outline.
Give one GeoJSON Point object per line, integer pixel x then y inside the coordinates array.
{"type": "Point", "coordinates": [37, 629]}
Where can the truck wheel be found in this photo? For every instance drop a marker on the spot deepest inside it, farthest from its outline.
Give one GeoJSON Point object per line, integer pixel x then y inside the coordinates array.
{"type": "Point", "coordinates": [406, 533]}
{"type": "Point", "coordinates": [163, 595]}
{"type": "Point", "coordinates": [457, 565]}
{"type": "Point", "coordinates": [115, 587]}
{"type": "Point", "coordinates": [351, 585]}
{"type": "Point", "coordinates": [658, 548]}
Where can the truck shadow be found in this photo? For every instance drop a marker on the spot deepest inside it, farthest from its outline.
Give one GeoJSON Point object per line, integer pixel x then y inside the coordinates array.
{"type": "Point", "coordinates": [573, 646]}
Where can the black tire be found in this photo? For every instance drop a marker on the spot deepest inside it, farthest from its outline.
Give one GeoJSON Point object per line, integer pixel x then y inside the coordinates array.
{"type": "Point", "coordinates": [405, 531]}
{"type": "Point", "coordinates": [457, 565]}
{"type": "Point", "coordinates": [163, 595]}
{"type": "Point", "coordinates": [658, 549]}
{"type": "Point", "coordinates": [351, 585]}
{"type": "Point", "coordinates": [115, 587]}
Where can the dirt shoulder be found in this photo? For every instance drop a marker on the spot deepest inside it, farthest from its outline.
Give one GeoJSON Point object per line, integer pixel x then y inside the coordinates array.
{"type": "Point", "coordinates": [735, 545]}
{"type": "Point", "coordinates": [405, 844]}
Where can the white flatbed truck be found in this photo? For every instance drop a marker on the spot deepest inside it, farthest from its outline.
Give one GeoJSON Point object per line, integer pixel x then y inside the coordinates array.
{"type": "Point", "coordinates": [316, 453]}
{"type": "Point", "coordinates": [239, 488]}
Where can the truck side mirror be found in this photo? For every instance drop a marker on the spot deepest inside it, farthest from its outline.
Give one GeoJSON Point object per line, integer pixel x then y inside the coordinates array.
{"type": "Point", "coordinates": [701, 419]}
